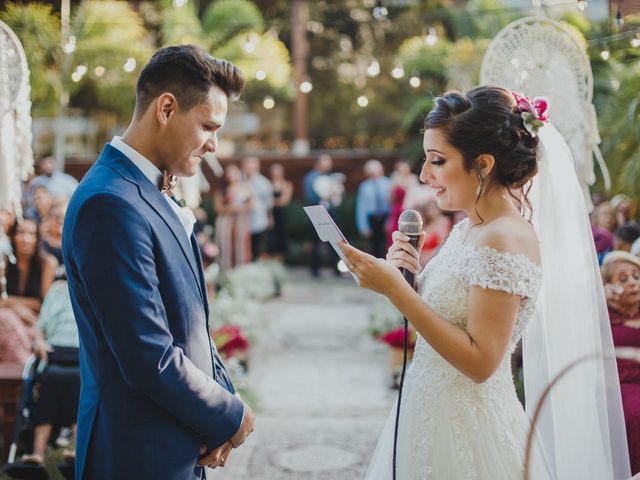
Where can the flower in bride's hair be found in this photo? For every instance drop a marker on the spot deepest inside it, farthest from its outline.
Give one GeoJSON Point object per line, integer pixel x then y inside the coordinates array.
{"type": "Point", "coordinates": [535, 113]}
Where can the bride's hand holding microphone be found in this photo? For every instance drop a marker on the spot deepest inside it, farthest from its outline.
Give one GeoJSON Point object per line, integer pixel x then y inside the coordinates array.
{"type": "Point", "coordinates": [380, 275]}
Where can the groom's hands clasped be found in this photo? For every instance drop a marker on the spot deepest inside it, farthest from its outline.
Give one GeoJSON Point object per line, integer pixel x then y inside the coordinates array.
{"type": "Point", "coordinates": [246, 427]}
{"type": "Point", "coordinates": [218, 456]}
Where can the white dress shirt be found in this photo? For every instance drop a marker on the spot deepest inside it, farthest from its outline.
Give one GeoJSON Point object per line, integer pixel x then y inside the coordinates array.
{"type": "Point", "coordinates": [149, 170]}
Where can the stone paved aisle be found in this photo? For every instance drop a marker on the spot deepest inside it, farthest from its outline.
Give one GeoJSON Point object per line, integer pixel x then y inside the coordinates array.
{"type": "Point", "coordinates": [321, 383]}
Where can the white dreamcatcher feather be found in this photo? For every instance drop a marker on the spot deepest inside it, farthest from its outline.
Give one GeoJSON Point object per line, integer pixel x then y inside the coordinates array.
{"type": "Point", "coordinates": [16, 154]}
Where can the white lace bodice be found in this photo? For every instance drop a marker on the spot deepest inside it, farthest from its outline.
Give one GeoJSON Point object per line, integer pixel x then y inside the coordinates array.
{"type": "Point", "coordinates": [444, 283]}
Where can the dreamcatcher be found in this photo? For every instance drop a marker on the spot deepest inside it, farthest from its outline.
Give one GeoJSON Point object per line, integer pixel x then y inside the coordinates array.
{"type": "Point", "coordinates": [540, 57]}
{"type": "Point", "coordinates": [16, 155]}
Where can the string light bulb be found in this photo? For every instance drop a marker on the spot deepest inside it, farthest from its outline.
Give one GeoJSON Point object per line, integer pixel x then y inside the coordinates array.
{"type": "Point", "coordinates": [373, 70]}
{"type": "Point", "coordinates": [268, 103]}
{"type": "Point", "coordinates": [306, 86]}
{"type": "Point", "coordinates": [363, 101]}
{"type": "Point", "coordinates": [635, 41]}
{"type": "Point", "coordinates": [605, 53]}
{"type": "Point", "coordinates": [582, 5]}
{"type": "Point", "coordinates": [414, 81]}
{"type": "Point", "coordinates": [261, 75]}
{"type": "Point", "coordinates": [380, 12]}
{"type": "Point", "coordinates": [130, 65]}
{"type": "Point", "coordinates": [397, 72]}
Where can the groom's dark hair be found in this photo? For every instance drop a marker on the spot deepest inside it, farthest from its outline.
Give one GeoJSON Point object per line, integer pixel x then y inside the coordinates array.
{"type": "Point", "coordinates": [188, 72]}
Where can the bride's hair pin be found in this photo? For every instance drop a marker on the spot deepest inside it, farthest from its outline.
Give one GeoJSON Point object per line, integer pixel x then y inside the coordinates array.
{"type": "Point", "coordinates": [534, 113]}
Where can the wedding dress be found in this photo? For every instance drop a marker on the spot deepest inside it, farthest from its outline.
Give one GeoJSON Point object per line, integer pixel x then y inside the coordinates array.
{"type": "Point", "coordinates": [450, 427]}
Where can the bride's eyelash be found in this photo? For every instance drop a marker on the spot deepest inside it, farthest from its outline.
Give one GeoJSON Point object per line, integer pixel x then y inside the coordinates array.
{"type": "Point", "coordinates": [437, 161]}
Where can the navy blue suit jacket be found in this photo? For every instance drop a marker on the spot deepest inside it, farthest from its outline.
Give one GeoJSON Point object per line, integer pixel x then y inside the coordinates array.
{"type": "Point", "coordinates": [153, 389]}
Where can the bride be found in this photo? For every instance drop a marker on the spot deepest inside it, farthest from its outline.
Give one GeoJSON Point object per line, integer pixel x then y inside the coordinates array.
{"type": "Point", "coordinates": [460, 417]}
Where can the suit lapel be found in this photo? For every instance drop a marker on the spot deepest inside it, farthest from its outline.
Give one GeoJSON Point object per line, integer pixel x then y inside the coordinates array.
{"type": "Point", "coordinates": [203, 283]}
{"type": "Point", "coordinates": [116, 160]}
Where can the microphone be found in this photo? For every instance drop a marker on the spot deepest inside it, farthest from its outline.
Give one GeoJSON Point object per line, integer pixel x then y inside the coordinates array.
{"type": "Point", "coordinates": [410, 223]}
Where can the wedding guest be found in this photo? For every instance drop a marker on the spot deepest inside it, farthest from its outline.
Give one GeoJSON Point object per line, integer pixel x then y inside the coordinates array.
{"type": "Point", "coordinates": [27, 283]}
{"type": "Point", "coordinates": [604, 216]}
{"type": "Point", "coordinates": [51, 230]}
{"type": "Point", "coordinates": [621, 277]}
{"type": "Point", "coordinates": [401, 180]}
{"type": "Point", "coordinates": [625, 236]}
{"type": "Point", "coordinates": [635, 248]}
{"type": "Point", "coordinates": [372, 207]}
{"type": "Point", "coordinates": [262, 194]}
{"type": "Point", "coordinates": [402, 175]}
{"type": "Point", "coordinates": [42, 203]}
{"type": "Point", "coordinates": [56, 345]}
{"type": "Point", "coordinates": [282, 193]}
{"type": "Point", "coordinates": [436, 226]}
{"type": "Point", "coordinates": [232, 205]}
{"type": "Point", "coordinates": [625, 211]}
{"type": "Point", "coordinates": [59, 184]}
{"type": "Point", "coordinates": [603, 240]}
{"type": "Point", "coordinates": [315, 193]}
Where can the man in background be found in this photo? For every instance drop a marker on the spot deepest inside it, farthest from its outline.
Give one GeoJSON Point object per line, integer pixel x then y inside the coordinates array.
{"type": "Point", "coordinates": [260, 214]}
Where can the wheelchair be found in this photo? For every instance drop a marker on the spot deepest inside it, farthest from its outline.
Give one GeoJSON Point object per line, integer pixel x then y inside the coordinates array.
{"type": "Point", "coordinates": [24, 431]}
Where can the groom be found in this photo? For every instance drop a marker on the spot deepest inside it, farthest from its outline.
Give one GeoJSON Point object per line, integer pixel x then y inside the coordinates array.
{"type": "Point", "coordinates": [155, 402]}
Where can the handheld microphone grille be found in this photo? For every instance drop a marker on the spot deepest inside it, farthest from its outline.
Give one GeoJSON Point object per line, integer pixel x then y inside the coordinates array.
{"type": "Point", "coordinates": [410, 222]}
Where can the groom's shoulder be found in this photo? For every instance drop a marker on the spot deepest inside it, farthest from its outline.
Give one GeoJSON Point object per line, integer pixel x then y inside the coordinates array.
{"type": "Point", "coordinates": [104, 178]}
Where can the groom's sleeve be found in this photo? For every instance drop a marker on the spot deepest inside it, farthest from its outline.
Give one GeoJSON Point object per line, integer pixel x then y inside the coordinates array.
{"type": "Point", "coordinates": [112, 245]}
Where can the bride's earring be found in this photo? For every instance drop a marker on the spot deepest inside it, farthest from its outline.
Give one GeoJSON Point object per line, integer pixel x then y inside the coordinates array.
{"type": "Point", "coordinates": [480, 185]}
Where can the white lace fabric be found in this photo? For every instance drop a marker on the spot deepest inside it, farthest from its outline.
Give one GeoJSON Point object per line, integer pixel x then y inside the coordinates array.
{"type": "Point", "coordinates": [452, 427]}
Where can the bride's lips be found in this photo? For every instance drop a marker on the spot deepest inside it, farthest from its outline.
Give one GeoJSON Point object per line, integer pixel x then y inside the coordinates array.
{"type": "Point", "coordinates": [439, 190]}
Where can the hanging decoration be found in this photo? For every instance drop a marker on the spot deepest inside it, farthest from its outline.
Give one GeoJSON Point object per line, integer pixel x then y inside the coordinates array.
{"type": "Point", "coordinates": [540, 57]}
{"type": "Point", "coordinates": [16, 155]}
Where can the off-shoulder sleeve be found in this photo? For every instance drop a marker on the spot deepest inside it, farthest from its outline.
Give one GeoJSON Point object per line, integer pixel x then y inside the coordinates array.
{"type": "Point", "coordinates": [495, 270]}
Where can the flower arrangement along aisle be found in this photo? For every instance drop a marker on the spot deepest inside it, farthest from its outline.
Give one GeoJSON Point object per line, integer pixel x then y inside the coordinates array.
{"type": "Point", "coordinates": [231, 343]}
{"type": "Point", "coordinates": [386, 324]}
{"type": "Point", "coordinates": [235, 318]}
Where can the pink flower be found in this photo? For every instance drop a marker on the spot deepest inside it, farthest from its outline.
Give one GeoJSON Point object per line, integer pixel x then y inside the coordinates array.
{"type": "Point", "coordinates": [542, 106]}
{"type": "Point", "coordinates": [534, 112]}
{"type": "Point", "coordinates": [395, 338]}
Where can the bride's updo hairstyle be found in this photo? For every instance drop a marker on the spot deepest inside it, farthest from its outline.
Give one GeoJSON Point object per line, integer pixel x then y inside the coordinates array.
{"type": "Point", "coordinates": [486, 120]}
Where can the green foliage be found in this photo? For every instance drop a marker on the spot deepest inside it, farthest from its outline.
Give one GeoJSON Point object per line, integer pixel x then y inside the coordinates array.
{"type": "Point", "coordinates": [620, 129]}
{"type": "Point", "coordinates": [464, 62]}
{"type": "Point", "coordinates": [427, 60]}
{"type": "Point", "coordinates": [224, 19]}
{"type": "Point", "coordinates": [38, 29]}
{"type": "Point", "coordinates": [101, 41]}
{"type": "Point", "coordinates": [181, 25]}
{"type": "Point", "coordinates": [269, 55]}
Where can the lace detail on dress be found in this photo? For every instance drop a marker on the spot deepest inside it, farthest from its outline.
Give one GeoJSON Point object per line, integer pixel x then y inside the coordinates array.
{"type": "Point", "coordinates": [445, 282]}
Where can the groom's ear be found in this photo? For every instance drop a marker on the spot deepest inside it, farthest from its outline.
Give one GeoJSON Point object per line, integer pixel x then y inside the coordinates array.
{"type": "Point", "coordinates": [166, 106]}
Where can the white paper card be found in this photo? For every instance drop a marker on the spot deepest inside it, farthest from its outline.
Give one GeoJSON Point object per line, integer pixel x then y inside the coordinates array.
{"type": "Point", "coordinates": [328, 231]}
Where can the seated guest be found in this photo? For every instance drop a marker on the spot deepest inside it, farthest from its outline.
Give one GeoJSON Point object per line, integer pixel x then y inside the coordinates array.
{"type": "Point", "coordinates": [56, 346]}
{"type": "Point", "coordinates": [625, 236]}
{"type": "Point", "coordinates": [58, 184]}
{"type": "Point", "coordinates": [51, 230]}
{"type": "Point", "coordinates": [42, 203]}
{"type": "Point", "coordinates": [621, 277]}
{"type": "Point", "coordinates": [28, 281]}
